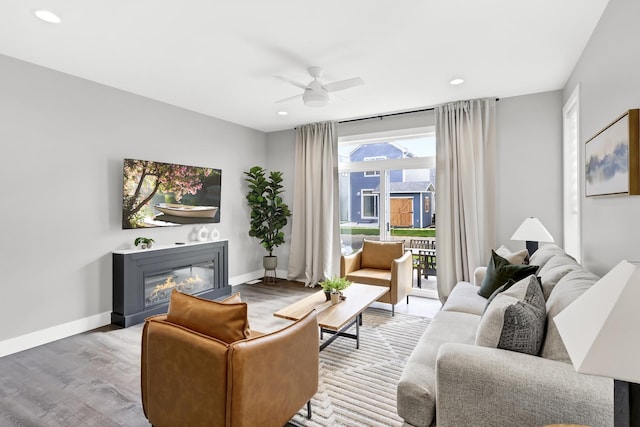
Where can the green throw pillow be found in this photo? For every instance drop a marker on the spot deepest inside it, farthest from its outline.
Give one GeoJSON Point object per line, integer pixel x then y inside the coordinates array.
{"type": "Point", "coordinates": [499, 271]}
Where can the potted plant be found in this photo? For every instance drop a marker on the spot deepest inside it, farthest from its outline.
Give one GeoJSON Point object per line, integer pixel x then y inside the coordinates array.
{"type": "Point", "coordinates": [333, 288]}
{"type": "Point", "coordinates": [144, 242]}
{"type": "Point", "coordinates": [268, 212]}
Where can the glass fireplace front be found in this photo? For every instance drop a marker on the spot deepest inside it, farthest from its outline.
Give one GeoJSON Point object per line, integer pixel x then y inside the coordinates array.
{"type": "Point", "coordinates": [190, 280]}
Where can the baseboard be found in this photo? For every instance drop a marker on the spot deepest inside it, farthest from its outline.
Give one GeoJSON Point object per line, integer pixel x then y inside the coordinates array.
{"type": "Point", "coordinates": [54, 333]}
{"type": "Point", "coordinates": [258, 274]}
{"type": "Point", "coordinates": [424, 293]}
{"type": "Point", "coordinates": [244, 278]}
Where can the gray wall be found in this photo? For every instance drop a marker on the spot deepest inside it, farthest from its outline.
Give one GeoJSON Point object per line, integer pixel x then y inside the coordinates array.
{"type": "Point", "coordinates": [62, 143]}
{"type": "Point", "coordinates": [609, 76]}
{"type": "Point", "coordinates": [529, 175]}
{"type": "Point", "coordinates": [281, 157]}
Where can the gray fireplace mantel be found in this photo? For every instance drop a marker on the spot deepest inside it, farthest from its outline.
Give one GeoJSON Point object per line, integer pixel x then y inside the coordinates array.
{"type": "Point", "coordinates": [130, 267]}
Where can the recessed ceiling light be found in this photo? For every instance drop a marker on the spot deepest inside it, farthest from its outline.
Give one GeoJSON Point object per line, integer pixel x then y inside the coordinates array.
{"type": "Point", "coordinates": [47, 16]}
{"type": "Point", "coordinates": [457, 81]}
{"type": "Point", "coordinates": [282, 113]}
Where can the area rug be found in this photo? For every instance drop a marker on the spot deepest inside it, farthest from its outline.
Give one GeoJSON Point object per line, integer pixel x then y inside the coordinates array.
{"type": "Point", "coordinates": [357, 387]}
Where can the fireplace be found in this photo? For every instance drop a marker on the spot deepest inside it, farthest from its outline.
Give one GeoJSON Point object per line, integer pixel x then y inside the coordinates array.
{"type": "Point", "coordinates": [144, 279]}
{"type": "Point", "coordinates": [191, 279]}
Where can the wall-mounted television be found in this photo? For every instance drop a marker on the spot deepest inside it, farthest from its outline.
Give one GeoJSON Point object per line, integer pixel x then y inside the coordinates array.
{"type": "Point", "coordinates": [156, 194]}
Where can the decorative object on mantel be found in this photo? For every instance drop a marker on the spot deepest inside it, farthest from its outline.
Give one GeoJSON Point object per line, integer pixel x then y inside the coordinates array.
{"type": "Point", "coordinates": [144, 242]}
{"type": "Point", "coordinates": [215, 234]}
{"type": "Point", "coordinates": [333, 288]}
{"type": "Point", "coordinates": [532, 231]}
{"type": "Point", "coordinates": [599, 330]}
{"type": "Point", "coordinates": [612, 163]}
{"type": "Point", "coordinates": [203, 234]}
{"type": "Point", "coordinates": [268, 214]}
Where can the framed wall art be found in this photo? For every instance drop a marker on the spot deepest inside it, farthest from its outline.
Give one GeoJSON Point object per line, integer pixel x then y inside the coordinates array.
{"type": "Point", "coordinates": [612, 158]}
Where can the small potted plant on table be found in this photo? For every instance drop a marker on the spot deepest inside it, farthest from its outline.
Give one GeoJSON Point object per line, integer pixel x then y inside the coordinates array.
{"type": "Point", "coordinates": [333, 287]}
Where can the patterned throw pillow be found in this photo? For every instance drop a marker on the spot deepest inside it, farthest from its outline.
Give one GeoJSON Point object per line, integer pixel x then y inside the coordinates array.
{"type": "Point", "coordinates": [499, 271]}
{"type": "Point", "coordinates": [515, 319]}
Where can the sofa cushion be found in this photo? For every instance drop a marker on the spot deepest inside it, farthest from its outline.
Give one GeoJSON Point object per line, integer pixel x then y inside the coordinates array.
{"type": "Point", "coordinates": [464, 298]}
{"type": "Point", "coordinates": [570, 287]}
{"type": "Point", "coordinates": [544, 254]}
{"type": "Point", "coordinates": [499, 271]}
{"type": "Point", "coordinates": [380, 255]}
{"type": "Point", "coordinates": [226, 322]}
{"type": "Point", "coordinates": [555, 269]}
{"type": "Point", "coordinates": [416, 393]}
{"type": "Point", "coordinates": [520, 257]}
{"type": "Point", "coordinates": [515, 319]}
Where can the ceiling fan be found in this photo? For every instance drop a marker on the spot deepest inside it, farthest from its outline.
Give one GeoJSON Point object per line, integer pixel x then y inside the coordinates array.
{"type": "Point", "coordinates": [316, 94]}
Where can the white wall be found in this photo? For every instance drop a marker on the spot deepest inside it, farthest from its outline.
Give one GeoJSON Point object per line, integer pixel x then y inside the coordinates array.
{"type": "Point", "coordinates": [62, 143]}
{"type": "Point", "coordinates": [529, 175]}
{"type": "Point", "coordinates": [609, 76]}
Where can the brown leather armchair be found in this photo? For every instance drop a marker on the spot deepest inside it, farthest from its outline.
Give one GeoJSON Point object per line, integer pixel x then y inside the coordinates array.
{"type": "Point", "coordinates": [191, 379]}
{"type": "Point", "coordinates": [382, 264]}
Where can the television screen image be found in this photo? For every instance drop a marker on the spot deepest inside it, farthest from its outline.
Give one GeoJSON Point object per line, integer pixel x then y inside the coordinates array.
{"type": "Point", "coordinates": [156, 194]}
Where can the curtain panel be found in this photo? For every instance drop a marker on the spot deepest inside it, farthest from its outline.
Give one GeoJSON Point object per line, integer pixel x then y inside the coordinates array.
{"type": "Point", "coordinates": [315, 233]}
{"type": "Point", "coordinates": [465, 189]}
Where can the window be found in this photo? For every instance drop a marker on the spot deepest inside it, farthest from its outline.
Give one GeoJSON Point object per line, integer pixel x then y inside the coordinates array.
{"type": "Point", "coordinates": [571, 169]}
{"type": "Point", "coordinates": [371, 159]}
{"type": "Point", "coordinates": [376, 168]}
{"type": "Point", "coordinates": [369, 203]}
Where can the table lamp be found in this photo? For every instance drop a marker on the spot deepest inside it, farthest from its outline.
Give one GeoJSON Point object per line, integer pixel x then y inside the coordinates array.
{"type": "Point", "coordinates": [600, 331]}
{"type": "Point", "coordinates": [532, 231]}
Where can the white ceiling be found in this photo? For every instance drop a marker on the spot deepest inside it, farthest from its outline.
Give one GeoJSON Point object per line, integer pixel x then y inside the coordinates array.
{"type": "Point", "coordinates": [219, 57]}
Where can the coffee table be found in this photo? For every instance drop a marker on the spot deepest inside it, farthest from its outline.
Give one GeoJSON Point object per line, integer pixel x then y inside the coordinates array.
{"type": "Point", "coordinates": [336, 319]}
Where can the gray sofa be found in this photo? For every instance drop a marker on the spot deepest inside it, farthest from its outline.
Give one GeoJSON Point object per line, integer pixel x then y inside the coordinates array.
{"type": "Point", "coordinates": [449, 381]}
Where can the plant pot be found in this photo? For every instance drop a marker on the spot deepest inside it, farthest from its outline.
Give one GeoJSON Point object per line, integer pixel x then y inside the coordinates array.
{"type": "Point", "coordinates": [327, 295]}
{"type": "Point", "coordinates": [335, 298]}
{"type": "Point", "coordinates": [270, 262]}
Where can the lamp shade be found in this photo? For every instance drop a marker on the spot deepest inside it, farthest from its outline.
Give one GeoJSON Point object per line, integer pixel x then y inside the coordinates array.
{"type": "Point", "coordinates": [532, 230]}
{"type": "Point", "coordinates": [600, 328]}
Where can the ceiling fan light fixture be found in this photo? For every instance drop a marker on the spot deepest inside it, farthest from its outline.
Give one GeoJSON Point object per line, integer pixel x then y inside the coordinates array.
{"type": "Point", "coordinates": [315, 99]}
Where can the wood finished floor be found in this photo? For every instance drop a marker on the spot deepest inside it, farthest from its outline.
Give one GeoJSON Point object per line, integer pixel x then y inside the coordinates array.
{"type": "Point", "coordinates": [93, 378]}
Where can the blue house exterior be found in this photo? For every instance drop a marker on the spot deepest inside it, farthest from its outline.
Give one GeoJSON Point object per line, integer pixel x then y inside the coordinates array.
{"type": "Point", "coordinates": [414, 198]}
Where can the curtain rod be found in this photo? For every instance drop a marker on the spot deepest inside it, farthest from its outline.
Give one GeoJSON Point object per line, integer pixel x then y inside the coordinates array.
{"type": "Point", "coordinates": [382, 116]}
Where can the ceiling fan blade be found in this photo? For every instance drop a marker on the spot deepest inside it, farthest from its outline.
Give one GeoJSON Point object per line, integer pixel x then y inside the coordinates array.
{"type": "Point", "coordinates": [291, 98]}
{"type": "Point", "coordinates": [292, 82]}
{"type": "Point", "coordinates": [343, 84]}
